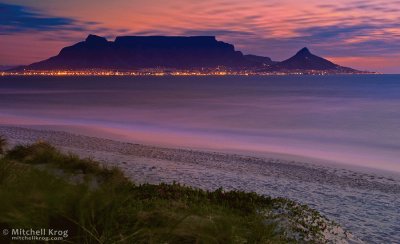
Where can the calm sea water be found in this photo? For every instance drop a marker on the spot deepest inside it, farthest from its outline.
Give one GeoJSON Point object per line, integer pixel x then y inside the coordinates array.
{"type": "Point", "coordinates": [353, 120]}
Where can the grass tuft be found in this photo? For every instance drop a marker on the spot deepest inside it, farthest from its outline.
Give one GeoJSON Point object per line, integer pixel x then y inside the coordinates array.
{"type": "Point", "coordinates": [41, 187]}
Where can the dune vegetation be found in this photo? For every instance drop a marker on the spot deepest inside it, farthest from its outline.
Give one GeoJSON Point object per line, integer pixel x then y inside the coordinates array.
{"type": "Point", "coordinates": [41, 187]}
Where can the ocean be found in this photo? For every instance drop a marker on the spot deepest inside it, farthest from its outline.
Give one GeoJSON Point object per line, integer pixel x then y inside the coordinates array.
{"type": "Point", "coordinates": [350, 121]}
{"type": "Point", "coordinates": [347, 119]}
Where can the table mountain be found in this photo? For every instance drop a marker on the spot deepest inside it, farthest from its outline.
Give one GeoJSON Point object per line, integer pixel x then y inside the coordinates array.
{"type": "Point", "coordinates": [131, 52]}
{"type": "Point", "coordinates": [180, 52]}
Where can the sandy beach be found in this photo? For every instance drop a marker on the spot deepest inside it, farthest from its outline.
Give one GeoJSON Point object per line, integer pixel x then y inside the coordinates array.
{"type": "Point", "coordinates": [364, 203]}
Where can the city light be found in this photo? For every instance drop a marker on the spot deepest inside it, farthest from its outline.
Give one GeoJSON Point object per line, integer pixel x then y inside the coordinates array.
{"type": "Point", "coordinates": [167, 72]}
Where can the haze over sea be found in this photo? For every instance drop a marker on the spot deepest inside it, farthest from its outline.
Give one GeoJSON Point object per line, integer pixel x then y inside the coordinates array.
{"type": "Point", "coordinates": [344, 121]}
{"type": "Point", "coordinates": [350, 119]}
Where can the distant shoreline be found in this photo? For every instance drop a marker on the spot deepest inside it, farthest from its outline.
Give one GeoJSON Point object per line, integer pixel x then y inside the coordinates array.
{"type": "Point", "coordinates": [131, 73]}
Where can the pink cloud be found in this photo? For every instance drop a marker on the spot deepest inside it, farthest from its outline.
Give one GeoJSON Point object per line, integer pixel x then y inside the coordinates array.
{"type": "Point", "coordinates": [273, 28]}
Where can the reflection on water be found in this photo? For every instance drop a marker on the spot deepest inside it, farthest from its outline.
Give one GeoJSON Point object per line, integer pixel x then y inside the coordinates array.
{"type": "Point", "coordinates": [348, 119]}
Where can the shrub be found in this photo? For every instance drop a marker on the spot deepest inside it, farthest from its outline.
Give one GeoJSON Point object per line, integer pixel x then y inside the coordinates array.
{"type": "Point", "coordinates": [114, 209]}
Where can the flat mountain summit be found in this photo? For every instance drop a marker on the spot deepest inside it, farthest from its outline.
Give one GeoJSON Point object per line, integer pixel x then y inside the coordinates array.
{"type": "Point", "coordinates": [131, 52]}
{"type": "Point", "coordinates": [178, 52]}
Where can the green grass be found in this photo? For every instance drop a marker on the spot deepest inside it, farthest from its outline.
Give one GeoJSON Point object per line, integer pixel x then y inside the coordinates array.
{"type": "Point", "coordinates": [3, 144]}
{"type": "Point", "coordinates": [41, 187]}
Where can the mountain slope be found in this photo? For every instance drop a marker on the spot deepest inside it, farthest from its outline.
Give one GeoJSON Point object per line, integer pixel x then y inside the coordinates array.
{"type": "Point", "coordinates": [180, 52]}
{"type": "Point", "coordinates": [130, 52]}
{"type": "Point", "coordinates": [259, 59]}
{"type": "Point", "coordinates": [305, 60]}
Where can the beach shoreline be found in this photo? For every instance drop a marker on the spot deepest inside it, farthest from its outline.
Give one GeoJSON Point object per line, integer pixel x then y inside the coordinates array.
{"type": "Point", "coordinates": [348, 197]}
{"type": "Point", "coordinates": [140, 139]}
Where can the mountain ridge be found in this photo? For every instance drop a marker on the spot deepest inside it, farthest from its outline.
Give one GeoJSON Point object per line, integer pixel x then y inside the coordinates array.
{"type": "Point", "coordinates": [177, 52]}
{"type": "Point", "coordinates": [305, 60]}
{"type": "Point", "coordinates": [130, 52]}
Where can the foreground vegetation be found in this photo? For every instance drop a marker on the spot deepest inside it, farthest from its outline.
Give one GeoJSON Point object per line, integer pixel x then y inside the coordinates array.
{"type": "Point", "coordinates": [40, 187]}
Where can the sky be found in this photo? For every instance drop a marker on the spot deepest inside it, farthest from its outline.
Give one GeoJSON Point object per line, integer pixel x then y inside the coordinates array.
{"type": "Point", "coordinates": [359, 34]}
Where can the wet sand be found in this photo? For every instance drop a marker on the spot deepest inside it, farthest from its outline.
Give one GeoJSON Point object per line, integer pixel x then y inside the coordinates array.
{"type": "Point", "coordinates": [364, 203]}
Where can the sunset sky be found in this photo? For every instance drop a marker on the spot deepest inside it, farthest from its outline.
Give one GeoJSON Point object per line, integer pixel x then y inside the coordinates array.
{"type": "Point", "coordinates": [359, 34]}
